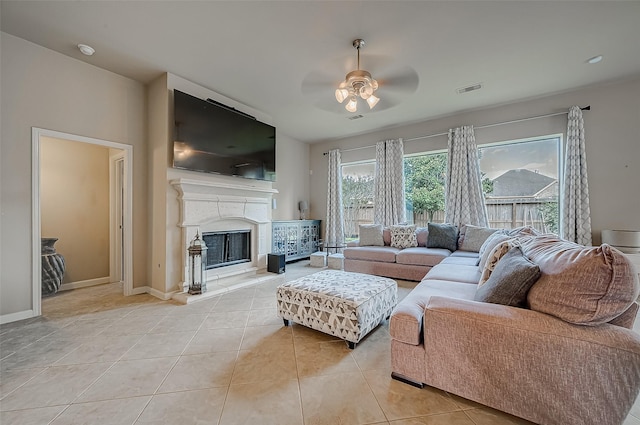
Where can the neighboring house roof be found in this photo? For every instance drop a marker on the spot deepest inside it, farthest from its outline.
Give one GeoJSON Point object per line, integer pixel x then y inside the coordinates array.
{"type": "Point", "coordinates": [520, 183]}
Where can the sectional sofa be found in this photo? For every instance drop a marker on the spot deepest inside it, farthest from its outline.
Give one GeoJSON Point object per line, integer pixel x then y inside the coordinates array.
{"type": "Point", "coordinates": [529, 324]}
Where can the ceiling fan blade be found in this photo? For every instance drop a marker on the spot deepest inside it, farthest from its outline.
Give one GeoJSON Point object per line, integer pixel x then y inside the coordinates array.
{"type": "Point", "coordinates": [403, 80]}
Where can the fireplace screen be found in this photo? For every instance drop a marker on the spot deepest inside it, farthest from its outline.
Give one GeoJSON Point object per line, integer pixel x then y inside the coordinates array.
{"type": "Point", "coordinates": [227, 248]}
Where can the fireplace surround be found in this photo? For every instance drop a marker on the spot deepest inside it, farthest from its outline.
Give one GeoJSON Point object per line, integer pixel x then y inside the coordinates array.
{"type": "Point", "coordinates": [222, 207]}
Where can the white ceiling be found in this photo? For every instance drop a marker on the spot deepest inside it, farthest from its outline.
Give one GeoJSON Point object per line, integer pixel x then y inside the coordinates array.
{"type": "Point", "coordinates": [286, 58]}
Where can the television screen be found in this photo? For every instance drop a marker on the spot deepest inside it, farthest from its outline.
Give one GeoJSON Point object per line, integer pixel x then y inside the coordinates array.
{"type": "Point", "coordinates": [213, 138]}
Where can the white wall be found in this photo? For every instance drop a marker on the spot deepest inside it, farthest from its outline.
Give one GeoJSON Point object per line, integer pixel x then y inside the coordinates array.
{"type": "Point", "coordinates": [74, 205]}
{"type": "Point", "coordinates": [612, 138]}
{"type": "Point", "coordinates": [292, 177]}
{"type": "Point", "coordinates": [42, 88]}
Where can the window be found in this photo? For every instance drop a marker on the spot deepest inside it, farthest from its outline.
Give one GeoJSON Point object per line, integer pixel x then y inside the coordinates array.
{"type": "Point", "coordinates": [520, 180]}
{"type": "Point", "coordinates": [425, 177]}
{"type": "Point", "coordinates": [357, 196]}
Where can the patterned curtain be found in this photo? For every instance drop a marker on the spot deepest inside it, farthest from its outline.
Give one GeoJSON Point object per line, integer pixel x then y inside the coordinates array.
{"type": "Point", "coordinates": [388, 202]}
{"type": "Point", "coordinates": [576, 214]}
{"type": "Point", "coordinates": [334, 226]}
{"type": "Point", "coordinates": [464, 200]}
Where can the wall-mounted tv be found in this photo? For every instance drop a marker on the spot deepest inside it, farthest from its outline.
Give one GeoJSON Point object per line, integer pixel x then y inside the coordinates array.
{"type": "Point", "coordinates": [213, 138]}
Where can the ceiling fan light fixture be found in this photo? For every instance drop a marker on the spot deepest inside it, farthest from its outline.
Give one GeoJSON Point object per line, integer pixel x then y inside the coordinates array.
{"type": "Point", "coordinates": [352, 105]}
{"type": "Point", "coordinates": [341, 94]}
{"type": "Point", "coordinates": [357, 83]}
{"type": "Point", "coordinates": [372, 101]}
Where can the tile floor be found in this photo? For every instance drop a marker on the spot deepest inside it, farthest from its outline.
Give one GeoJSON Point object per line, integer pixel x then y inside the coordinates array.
{"type": "Point", "coordinates": [96, 357]}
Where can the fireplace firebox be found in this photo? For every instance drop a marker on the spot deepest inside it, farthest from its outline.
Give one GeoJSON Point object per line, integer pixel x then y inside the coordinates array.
{"type": "Point", "coordinates": [227, 248]}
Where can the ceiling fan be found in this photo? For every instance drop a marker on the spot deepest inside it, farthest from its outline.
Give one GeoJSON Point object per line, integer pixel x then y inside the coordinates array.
{"type": "Point", "coordinates": [391, 85]}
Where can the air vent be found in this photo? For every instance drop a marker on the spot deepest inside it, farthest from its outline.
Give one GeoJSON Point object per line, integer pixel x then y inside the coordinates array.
{"type": "Point", "coordinates": [469, 88]}
{"type": "Point", "coordinates": [355, 117]}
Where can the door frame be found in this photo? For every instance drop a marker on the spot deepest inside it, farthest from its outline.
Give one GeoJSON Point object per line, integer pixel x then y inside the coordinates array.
{"type": "Point", "coordinates": [116, 214]}
{"type": "Point", "coordinates": [36, 231]}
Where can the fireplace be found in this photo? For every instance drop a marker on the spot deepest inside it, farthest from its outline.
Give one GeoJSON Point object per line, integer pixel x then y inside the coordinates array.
{"type": "Point", "coordinates": [227, 248]}
{"type": "Point", "coordinates": [234, 213]}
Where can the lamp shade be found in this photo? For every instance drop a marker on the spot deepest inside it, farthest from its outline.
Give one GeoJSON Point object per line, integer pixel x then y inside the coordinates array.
{"type": "Point", "coordinates": [303, 205]}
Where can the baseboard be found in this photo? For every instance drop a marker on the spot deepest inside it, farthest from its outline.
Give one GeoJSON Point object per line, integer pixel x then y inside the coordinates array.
{"type": "Point", "coordinates": [165, 296]}
{"type": "Point", "coordinates": [84, 283]}
{"type": "Point", "coordinates": [140, 290]}
{"type": "Point", "coordinates": [14, 317]}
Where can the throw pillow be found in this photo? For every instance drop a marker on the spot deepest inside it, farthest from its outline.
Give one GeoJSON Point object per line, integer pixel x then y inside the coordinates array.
{"type": "Point", "coordinates": [488, 246]}
{"type": "Point", "coordinates": [494, 257]}
{"type": "Point", "coordinates": [442, 236]}
{"type": "Point", "coordinates": [474, 237]}
{"type": "Point", "coordinates": [510, 281]}
{"type": "Point", "coordinates": [371, 235]}
{"type": "Point", "coordinates": [403, 236]}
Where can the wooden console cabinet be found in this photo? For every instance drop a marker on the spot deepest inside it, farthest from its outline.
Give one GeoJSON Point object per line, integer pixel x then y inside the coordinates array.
{"type": "Point", "coordinates": [295, 239]}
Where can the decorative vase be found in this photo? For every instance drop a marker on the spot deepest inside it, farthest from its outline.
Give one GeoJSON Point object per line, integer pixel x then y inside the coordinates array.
{"type": "Point", "coordinates": [53, 267]}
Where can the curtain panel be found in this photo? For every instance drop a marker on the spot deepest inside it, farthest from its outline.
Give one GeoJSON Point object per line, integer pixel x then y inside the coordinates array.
{"type": "Point", "coordinates": [334, 226]}
{"type": "Point", "coordinates": [576, 214]}
{"type": "Point", "coordinates": [389, 199]}
{"type": "Point", "coordinates": [464, 200]}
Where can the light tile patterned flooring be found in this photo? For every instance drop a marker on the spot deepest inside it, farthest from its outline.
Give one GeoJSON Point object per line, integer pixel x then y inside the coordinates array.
{"type": "Point", "coordinates": [96, 357]}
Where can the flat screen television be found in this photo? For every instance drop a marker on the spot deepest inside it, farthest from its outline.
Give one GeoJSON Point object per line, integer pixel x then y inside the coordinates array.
{"type": "Point", "coordinates": [212, 138]}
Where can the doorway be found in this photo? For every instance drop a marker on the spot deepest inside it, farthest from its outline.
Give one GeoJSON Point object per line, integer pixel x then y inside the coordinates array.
{"type": "Point", "coordinates": [120, 264]}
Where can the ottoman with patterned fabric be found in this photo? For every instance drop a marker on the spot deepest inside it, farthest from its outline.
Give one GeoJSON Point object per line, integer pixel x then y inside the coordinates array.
{"type": "Point", "coordinates": [343, 304]}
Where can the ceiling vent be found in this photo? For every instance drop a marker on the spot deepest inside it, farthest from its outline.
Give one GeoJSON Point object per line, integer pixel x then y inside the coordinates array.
{"type": "Point", "coordinates": [467, 89]}
{"type": "Point", "coordinates": [355, 117]}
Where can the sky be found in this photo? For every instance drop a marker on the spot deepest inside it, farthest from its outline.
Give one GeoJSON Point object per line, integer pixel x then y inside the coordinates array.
{"type": "Point", "coordinates": [539, 155]}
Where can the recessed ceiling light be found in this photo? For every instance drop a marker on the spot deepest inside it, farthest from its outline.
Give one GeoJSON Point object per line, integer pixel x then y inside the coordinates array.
{"type": "Point", "coordinates": [595, 59]}
{"type": "Point", "coordinates": [86, 50]}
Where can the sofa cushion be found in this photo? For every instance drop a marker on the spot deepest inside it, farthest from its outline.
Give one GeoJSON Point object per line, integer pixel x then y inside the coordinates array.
{"type": "Point", "coordinates": [385, 254]}
{"type": "Point", "coordinates": [422, 256]}
{"type": "Point", "coordinates": [581, 285]}
{"type": "Point", "coordinates": [462, 261]}
{"type": "Point", "coordinates": [406, 320]}
{"type": "Point", "coordinates": [442, 236]}
{"type": "Point", "coordinates": [510, 281]}
{"type": "Point", "coordinates": [454, 273]}
{"type": "Point", "coordinates": [494, 257]}
{"type": "Point", "coordinates": [471, 237]}
{"type": "Point", "coordinates": [466, 254]}
{"type": "Point", "coordinates": [403, 236]}
{"type": "Point", "coordinates": [371, 235]}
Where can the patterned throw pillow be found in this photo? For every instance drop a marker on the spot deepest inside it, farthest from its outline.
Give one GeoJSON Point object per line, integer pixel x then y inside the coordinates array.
{"type": "Point", "coordinates": [510, 281]}
{"type": "Point", "coordinates": [488, 246]}
{"type": "Point", "coordinates": [494, 256]}
{"type": "Point", "coordinates": [442, 236]}
{"type": "Point", "coordinates": [403, 236]}
{"type": "Point", "coordinates": [371, 235]}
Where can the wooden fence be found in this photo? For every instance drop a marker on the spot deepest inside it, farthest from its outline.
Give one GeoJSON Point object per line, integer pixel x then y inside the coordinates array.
{"type": "Point", "coordinates": [500, 215]}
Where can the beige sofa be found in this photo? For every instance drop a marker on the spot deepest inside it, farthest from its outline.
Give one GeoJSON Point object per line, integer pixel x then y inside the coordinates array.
{"type": "Point", "coordinates": [398, 263]}
{"type": "Point", "coordinates": [568, 357]}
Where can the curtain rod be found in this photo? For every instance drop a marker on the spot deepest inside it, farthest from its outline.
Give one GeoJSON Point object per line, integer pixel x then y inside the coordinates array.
{"type": "Point", "coordinates": [586, 108]}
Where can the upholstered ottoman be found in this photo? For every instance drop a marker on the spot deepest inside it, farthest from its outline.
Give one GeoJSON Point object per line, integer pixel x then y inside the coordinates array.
{"type": "Point", "coordinates": [343, 304]}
